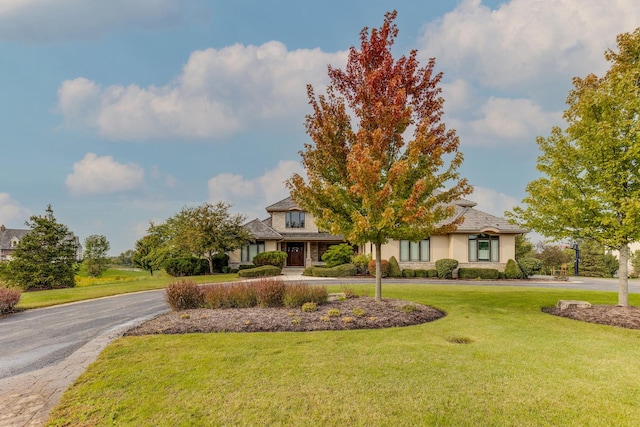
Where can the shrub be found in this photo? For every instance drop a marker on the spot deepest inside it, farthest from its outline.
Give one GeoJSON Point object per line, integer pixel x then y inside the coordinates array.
{"type": "Point", "coordinates": [226, 269]}
{"type": "Point", "coordinates": [512, 270]}
{"type": "Point", "coordinates": [333, 312]}
{"type": "Point", "coordinates": [394, 268]}
{"type": "Point", "coordinates": [308, 271]}
{"type": "Point", "coordinates": [445, 267]}
{"type": "Point", "coordinates": [362, 264]}
{"type": "Point", "coordinates": [407, 272]}
{"type": "Point", "coordinates": [432, 273]}
{"type": "Point", "coordinates": [8, 299]}
{"type": "Point", "coordinates": [220, 261]}
{"type": "Point", "coordinates": [348, 292]}
{"type": "Point", "coordinates": [529, 266]}
{"type": "Point", "coordinates": [478, 273]}
{"type": "Point", "coordinates": [408, 308]}
{"type": "Point", "coordinates": [184, 295]}
{"type": "Point", "coordinates": [297, 294]}
{"type": "Point", "coordinates": [421, 273]}
{"type": "Point", "coordinates": [262, 271]}
{"type": "Point", "coordinates": [358, 312]}
{"type": "Point", "coordinates": [186, 266]}
{"type": "Point", "coordinates": [275, 258]}
{"type": "Point", "coordinates": [309, 307]}
{"type": "Point", "coordinates": [344, 270]}
{"type": "Point", "coordinates": [338, 255]}
{"type": "Point", "coordinates": [237, 295]}
{"type": "Point", "coordinates": [270, 292]}
{"type": "Point", "coordinates": [384, 266]}
{"type": "Point", "coordinates": [246, 266]}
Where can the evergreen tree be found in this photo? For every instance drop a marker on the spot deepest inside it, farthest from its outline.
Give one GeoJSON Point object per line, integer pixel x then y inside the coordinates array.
{"type": "Point", "coordinates": [45, 257]}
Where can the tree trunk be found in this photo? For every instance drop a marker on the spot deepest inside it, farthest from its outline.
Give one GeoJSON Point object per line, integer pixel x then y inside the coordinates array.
{"type": "Point", "coordinates": [623, 276]}
{"type": "Point", "coordinates": [210, 259]}
{"type": "Point", "coordinates": [378, 271]}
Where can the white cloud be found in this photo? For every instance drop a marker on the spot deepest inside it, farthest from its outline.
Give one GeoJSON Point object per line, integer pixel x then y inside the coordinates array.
{"type": "Point", "coordinates": [218, 93]}
{"type": "Point", "coordinates": [251, 196]}
{"type": "Point", "coordinates": [510, 119]}
{"type": "Point", "coordinates": [524, 40]}
{"type": "Point", "coordinates": [11, 212]}
{"type": "Point", "coordinates": [46, 20]}
{"type": "Point", "coordinates": [492, 201]}
{"type": "Point", "coordinates": [103, 175]}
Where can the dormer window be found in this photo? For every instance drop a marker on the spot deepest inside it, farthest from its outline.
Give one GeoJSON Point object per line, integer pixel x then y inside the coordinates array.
{"type": "Point", "coordinates": [14, 243]}
{"type": "Point", "coordinates": [295, 219]}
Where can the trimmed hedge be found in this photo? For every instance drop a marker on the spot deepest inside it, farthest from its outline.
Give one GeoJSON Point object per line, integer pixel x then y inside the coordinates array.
{"type": "Point", "coordinates": [275, 258]}
{"type": "Point", "coordinates": [445, 267]}
{"type": "Point", "coordinates": [246, 266]}
{"type": "Point", "coordinates": [394, 268]}
{"type": "Point", "coordinates": [344, 270]}
{"type": "Point", "coordinates": [478, 273]}
{"type": "Point", "coordinates": [262, 271]}
{"type": "Point", "coordinates": [408, 272]}
{"type": "Point", "coordinates": [308, 271]}
{"type": "Point", "coordinates": [512, 270]}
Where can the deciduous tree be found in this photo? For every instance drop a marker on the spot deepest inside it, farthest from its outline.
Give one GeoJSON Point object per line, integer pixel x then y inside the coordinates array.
{"type": "Point", "coordinates": [95, 254]}
{"type": "Point", "coordinates": [45, 257]}
{"type": "Point", "coordinates": [590, 188]}
{"type": "Point", "coordinates": [207, 230]}
{"type": "Point", "coordinates": [365, 180]}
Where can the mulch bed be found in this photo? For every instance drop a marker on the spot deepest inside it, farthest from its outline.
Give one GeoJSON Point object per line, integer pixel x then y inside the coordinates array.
{"type": "Point", "coordinates": [611, 315]}
{"type": "Point", "coordinates": [385, 314]}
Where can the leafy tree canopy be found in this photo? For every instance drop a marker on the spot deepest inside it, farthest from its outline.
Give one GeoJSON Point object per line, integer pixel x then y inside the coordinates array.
{"type": "Point", "coordinates": [95, 254]}
{"type": "Point", "coordinates": [364, 179]}
{"type": "Point", "coordinates": [590, 185]}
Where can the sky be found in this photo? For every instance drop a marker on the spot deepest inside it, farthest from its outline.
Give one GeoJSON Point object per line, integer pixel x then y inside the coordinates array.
{"type": "Point", "coordinates": [123, 112]}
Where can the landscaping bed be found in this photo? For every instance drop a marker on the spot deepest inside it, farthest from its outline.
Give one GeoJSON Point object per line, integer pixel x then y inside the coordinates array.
{"type": "Point", "coordinates": [610, 315]}
{"type": "Point", "coordinates": [352, 313]}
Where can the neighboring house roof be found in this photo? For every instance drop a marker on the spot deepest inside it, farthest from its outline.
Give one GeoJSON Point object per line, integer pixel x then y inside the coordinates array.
{"type": "Point", "coordinates": [8, 234]}
{"type": "Point", "coordinates": [312, 236]}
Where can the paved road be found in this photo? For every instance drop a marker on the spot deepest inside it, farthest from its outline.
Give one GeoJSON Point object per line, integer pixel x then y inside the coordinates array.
{"type": "Point", "coordinates": [35, 339]}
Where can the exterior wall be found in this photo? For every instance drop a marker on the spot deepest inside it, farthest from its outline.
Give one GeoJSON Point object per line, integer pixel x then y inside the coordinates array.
{"type": "Point", "coordinates": [507, 248]}
{"type": "Point", "coordinates": [278, 223]}
{"type": "Point", "coordinates": [459, 247]}
{"type": "Point", "coordinates": [235, 256]}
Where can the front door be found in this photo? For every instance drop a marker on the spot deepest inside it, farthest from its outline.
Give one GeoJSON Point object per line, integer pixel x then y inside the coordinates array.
{"type": "Point", "coordinates": [295, 254]}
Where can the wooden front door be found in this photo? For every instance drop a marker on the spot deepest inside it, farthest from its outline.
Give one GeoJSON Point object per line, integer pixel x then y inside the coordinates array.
{"type": "Point", "coordinates": [295, 254]}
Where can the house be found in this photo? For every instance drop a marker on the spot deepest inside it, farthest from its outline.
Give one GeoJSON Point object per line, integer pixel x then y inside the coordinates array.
{"type": "Point", "coordinates": [482, 240]}
{"type": "Point", "coordinates": [10, 237]}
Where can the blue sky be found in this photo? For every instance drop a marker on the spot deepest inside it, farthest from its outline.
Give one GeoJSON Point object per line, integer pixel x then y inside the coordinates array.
{"type": "Point", "coordinates": [122, 112]}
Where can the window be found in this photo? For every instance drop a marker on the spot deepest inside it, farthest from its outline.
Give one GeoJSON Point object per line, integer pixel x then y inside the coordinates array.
{"type": "Point", "coordinates": [414, 251]}
{"type": "Point", "coordinates": [251, 250]}
{"type": "Point", "coordinates": [484, 248]}
{"type": "Point", "coordinates": [14, 243]}
{"type": "Point", "coordinates": [295, 219]}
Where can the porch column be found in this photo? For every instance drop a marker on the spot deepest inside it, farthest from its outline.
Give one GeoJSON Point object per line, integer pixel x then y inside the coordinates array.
{"type": "Point", "coordinates": [308, 261]}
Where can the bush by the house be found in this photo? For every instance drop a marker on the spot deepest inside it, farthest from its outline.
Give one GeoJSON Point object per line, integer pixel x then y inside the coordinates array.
{"type": "Point", "coordinates": [445, 267]}
{"type": "Point", "coordinates": [275, 258]}
{"type": "Point", "coordinates": [308, 271]}
{"type": "Point", "coordinates": [420, 272]}
{"type": "Point", "coordinates": [184, 295]}
{"type": "Point", "coordinates": [338, 255]}
{"type": "Point", "coordinates": [299, 294]}
{"type": "Point", "coordinates": [262, 271]}
{"type": "Point", "coordinates": [384, 266]}
{"type": "Point", "coordinates": [246, 266]}
{"type": "Point", "coordinates": [529, 266]}
{"type": "Point", "coordinates": [8, 299]}
{"type": "Point", "coordinates": [394, 268]}
{"type": "Point", "coordinates": [478, 273]}
{"type": "Point", "coordinates": [362, 264]}
{"type": "Point", "coordinates": [220, 261]}
{"type": "Point", "coordinates": [186, 266]}
{"type": "Point", "coordinates": [344, 270]}
{"type": "Point", "coordinates": [270, 292]}
{"type": "Point", "coordinates": [408, 272]}
{"type": "Point", "coordinates": [512, 270]}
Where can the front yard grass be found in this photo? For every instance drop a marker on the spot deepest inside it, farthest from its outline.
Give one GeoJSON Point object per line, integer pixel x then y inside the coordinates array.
{"type": "Point", "coordinates": [495, 360]}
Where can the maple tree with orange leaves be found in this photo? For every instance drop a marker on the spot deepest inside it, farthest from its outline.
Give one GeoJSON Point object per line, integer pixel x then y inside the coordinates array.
{"type": "Point", "coordinates": [394, 174]}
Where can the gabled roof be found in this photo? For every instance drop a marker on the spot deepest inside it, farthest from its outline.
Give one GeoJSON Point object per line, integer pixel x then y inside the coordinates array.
{"type": "Point", "coordinates": [283, 205]}
{"type": "Point", "coordinates": [260, 230]}
{"type": "Point", "coordinates": [476, 221]}
{"type": "Point", "coordinates": [8, 234]}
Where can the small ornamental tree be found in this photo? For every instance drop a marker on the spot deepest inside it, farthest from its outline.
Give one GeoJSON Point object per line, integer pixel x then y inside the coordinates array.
{"type": "Point", "coordinates": [365, 181]}
{"type": "Point", "coordinates": [95, 259]}
{"type": "Point", "coordinates": [337, 255]}
{"type": "Point", "coordinates": [45, 257]}
{"type": "Point", "coordinates": [590, 188]}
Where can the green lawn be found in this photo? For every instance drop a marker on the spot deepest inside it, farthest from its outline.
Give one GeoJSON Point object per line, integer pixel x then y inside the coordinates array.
{"type": "Point", "coordinates": [113, 282]}
{"type": "Point", "coordinates": [519, 367]}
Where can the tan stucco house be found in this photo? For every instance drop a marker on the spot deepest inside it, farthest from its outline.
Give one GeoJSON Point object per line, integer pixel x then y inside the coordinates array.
{"type": "Point", "coordinates": [481, 240]}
